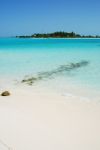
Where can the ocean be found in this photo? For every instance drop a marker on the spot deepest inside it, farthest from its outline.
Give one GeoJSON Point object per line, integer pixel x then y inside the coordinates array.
{"type": "Point", "coordinates": [68, 66]}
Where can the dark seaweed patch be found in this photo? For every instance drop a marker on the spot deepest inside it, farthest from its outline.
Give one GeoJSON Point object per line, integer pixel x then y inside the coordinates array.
{"type": "Point", "coordinates": [60, 69]}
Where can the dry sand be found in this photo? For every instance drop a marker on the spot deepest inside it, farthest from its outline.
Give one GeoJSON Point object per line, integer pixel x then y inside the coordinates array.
{"type": "Point", "coordinates": [38, 119]}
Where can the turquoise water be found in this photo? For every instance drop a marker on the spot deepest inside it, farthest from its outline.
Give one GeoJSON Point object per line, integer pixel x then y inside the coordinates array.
{"type": "Point", "coordinates": [29, 57]}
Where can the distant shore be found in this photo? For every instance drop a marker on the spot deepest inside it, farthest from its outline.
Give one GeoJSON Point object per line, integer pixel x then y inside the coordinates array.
{"type": "Point", "coordinates": [58, 35]}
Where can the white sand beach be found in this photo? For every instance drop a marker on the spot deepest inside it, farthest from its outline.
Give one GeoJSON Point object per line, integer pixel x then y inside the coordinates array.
{"type": "Point", "coordinates": [38, 119]}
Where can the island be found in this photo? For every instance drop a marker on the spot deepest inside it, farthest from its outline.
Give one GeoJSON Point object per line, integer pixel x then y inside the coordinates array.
{"type": "Point", "coordinates": [58, 34]}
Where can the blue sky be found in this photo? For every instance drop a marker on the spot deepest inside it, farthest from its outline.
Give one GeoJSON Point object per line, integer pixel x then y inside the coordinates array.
{"type": "Point", "coordinates": [20, 17]}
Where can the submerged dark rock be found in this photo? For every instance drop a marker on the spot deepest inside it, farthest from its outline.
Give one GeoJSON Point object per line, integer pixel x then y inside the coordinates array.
{"type": "Point", "coordinates": [5, 93]}
{"type": "Point", "coordinates": [59, 70]}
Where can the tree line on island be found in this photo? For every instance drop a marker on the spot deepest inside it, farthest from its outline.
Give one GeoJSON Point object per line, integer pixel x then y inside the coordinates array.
{"type": "Point", "coordinates": [57, 35]}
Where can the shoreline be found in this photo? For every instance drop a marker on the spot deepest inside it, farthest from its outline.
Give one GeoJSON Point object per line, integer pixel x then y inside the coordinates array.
{"type": "Point", "coordinates": [50, 86]}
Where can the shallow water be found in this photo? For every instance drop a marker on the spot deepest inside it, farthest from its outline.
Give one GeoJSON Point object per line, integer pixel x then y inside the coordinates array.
{"type": "Point", "coordinates": [29, 57]}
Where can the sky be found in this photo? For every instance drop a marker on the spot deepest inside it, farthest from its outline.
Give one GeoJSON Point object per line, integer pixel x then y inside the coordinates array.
{"type": "Point", "coordinates": [25, 17]}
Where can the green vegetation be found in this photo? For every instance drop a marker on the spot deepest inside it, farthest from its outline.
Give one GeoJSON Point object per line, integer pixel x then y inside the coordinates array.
{"type": "Point", "coordinates": [58, 35]}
